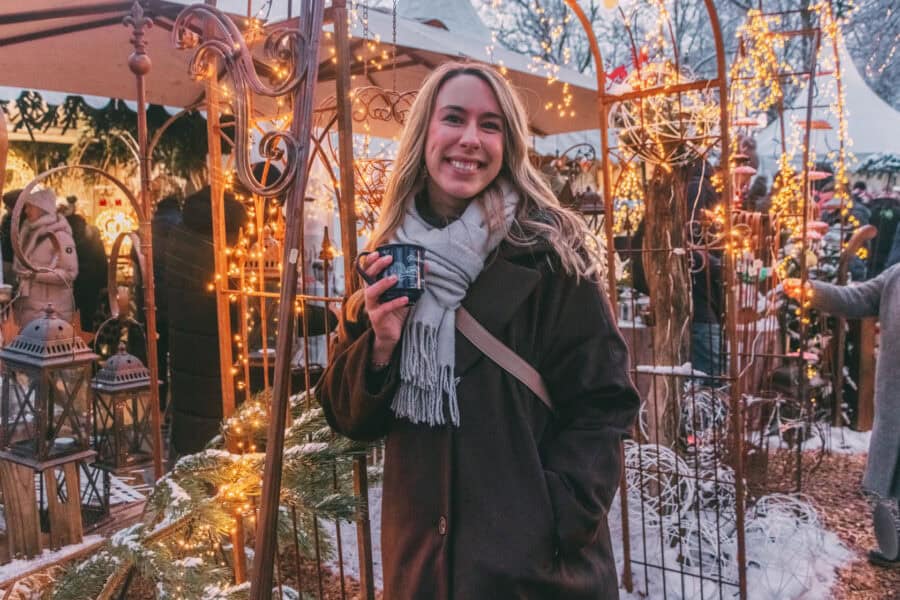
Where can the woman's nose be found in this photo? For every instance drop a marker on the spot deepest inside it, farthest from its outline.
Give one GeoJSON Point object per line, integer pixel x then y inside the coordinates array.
{"type": "Point", "coordinates": [470, 137]}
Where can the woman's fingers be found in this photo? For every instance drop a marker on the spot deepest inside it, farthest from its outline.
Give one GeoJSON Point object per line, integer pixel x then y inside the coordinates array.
{"type": "Point", "coordinates": [374, 291]}
{"type": "Point", "coordinates": [394, 304]}
{"type": "Point", "coordinates": [375, 264]}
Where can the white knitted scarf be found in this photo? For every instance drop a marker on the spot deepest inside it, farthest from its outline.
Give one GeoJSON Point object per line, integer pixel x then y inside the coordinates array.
{"type": "Point", "coordinates": [455, 255]}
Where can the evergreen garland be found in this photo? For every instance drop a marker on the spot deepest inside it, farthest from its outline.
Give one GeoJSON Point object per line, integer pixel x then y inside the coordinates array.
{"type": "Point", "coordinates": [182, 149]}
{"type": "Point", "coordinates": [182, 543]}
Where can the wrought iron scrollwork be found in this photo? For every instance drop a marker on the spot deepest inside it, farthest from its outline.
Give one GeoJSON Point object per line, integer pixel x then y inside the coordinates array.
{"type": "Point", "coordinates": [280, 47]}
{"type": "Point", "coordinates": [377, 104]}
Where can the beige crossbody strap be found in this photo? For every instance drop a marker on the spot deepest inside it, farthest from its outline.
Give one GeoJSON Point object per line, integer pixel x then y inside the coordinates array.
{"type": "Point", "coordinates": [501, 354]}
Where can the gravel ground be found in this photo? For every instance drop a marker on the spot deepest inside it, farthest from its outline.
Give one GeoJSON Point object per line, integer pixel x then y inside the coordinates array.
{"type": "Point", "coordinates": [835, 489]}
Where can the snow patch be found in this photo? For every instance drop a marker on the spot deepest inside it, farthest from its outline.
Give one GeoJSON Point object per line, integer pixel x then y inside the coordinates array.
{"type": "Point", "coordinates": [19, 566]}
{"type": "Point", "coordinates": [808, 571]}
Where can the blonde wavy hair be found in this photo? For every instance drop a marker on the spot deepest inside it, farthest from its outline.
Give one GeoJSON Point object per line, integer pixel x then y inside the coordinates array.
{"type": "Point", "coordinates": [539, 215]}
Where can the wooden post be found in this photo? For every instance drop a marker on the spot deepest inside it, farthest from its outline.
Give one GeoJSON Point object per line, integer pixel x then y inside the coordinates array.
{"type": "Point", "coordinates": [217, 195]}
{"type": "Point", "coordinates": [347, 213]}
{"type": "Point", "coordinates": [669, 281]}
{"type": "Point", "coordinates": [23, 527]}
{"type": "Point", "coordinates": [867, 352]}
{"type": "Point", "coordinates": [65, 517]}
{"type": "Point", "coordinates": [220, 281]}
{"type": "Point", "coordinates": [140, 65]}
{"type": "Point", "coordinates": [865, 415]}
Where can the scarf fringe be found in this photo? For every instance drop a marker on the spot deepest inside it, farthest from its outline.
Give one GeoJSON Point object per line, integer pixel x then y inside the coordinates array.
{"type": "Point", "coordinates": [423, 383]}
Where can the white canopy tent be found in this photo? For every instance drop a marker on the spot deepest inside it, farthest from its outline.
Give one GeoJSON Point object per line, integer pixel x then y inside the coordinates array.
{"type": "Point", "coordinates": [81, 47]}
{"type": "Point", "coordinates": [873, 125]}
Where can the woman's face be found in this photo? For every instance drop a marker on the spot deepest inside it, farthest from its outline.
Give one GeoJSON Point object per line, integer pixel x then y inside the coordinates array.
{"type": "Point", "coordinates": [33, 213]}
{"type": "Point", "coordinates": [464, 143]}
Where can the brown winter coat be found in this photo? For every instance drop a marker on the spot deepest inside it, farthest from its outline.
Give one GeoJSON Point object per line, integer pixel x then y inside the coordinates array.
{"type": "Point", "coordinates": [513, 502]}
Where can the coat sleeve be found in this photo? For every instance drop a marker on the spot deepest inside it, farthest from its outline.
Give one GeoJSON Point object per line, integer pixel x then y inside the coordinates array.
{"type": "Point", "coordinates": [586, 369]}
{"type": "Point", "coordinates": [356, 402]}
{"type": "Point", "coordinates": [850, 301]}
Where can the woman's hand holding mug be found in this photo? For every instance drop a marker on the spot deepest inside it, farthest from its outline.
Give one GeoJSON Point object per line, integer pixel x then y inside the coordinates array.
{"type": "Point", "coordinates": [387, 318]}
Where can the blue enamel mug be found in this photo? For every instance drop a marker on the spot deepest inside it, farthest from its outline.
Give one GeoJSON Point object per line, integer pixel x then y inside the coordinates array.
{"type": "Point", "coordinates": [408, 265]}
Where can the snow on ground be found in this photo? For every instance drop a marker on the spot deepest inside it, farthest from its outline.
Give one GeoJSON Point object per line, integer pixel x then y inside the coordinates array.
{"type": "Point", "coordinates": [847, 441]}
{"type": "Point", "coordinates": [17, 567]}
{"type": "Point", "coordinates": [786, 560]}
{"type": "Point", "coordinates": [348, 540]}
{"type": "Point", "coordinates": [840, 440]}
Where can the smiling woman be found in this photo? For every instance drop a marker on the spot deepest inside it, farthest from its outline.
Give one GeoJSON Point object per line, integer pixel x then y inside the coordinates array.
{"type": "Point", "coordinates": [488, 492]}
{"type": "Point", "coordinates": [464, 146]}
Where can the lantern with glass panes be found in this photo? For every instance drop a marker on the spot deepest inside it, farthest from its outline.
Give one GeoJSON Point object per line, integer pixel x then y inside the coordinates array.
{"type": "Point", "coordinates": [45, 404]}
{"type": "Point", "coordinates": [122, 426]}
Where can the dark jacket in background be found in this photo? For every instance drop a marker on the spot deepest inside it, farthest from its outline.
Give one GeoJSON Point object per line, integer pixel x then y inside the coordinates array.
{"type": "Point", "coordinates": [513, 502]}
{"type": "Point", "coordinates": [191, 315]}
{"type": "Point", "coordinates": [9, 202]}
{"type": "Point", "coordinates": [93, 268]}
{"type": "Point", "coordinates": [894, 256]}
{"type": "Point", "coordinates": [886, 219]}
{"type": "Point", "coordinates": [706, 280]}
{"type": "Point", "coordinates": [166, 219]}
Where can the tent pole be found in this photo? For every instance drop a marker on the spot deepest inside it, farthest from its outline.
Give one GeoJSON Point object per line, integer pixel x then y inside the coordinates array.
{"type": "Point", "coordinates": [220, 282]}
{"type": "Point", "coordinates": [347, 212]}
{"type": "Point", "coordinates": [139, 64]}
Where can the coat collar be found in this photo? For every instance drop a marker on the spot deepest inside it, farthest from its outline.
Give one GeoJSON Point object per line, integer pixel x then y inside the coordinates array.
{"type": "Point", "coordinates": [509, 277]}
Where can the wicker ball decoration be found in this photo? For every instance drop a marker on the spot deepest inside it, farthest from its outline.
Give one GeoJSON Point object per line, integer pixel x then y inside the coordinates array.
{"type": "Point", "coordinates": [661, 480]}
{"type": "Point", "coordinates": [704, 416]}
{"type": "Point", "coordinates": [708, 545]}
{"type": "Point", "coordinates": [783, 533]}
{"type": "Point", "coordinates": [666, 129]}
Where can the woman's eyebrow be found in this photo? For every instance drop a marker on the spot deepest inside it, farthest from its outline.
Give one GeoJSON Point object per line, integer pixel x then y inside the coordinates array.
{"type": "Point", "coordinates": [456, 108]}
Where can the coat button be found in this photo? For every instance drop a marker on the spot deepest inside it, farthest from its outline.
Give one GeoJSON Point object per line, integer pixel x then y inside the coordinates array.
{"type": "Point", "coordinates": [442, 525]}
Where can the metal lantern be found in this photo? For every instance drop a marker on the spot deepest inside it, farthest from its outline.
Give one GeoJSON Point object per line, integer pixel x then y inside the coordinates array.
{"type": "Point", "coordinates": [45, 402]}
{"type": "Point", "coordinates": [122, 426]}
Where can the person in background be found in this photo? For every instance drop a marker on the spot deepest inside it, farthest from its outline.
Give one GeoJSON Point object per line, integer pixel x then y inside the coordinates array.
{"type": "Point", "coordinates": [706, 280]}
{"type": "Point", "coordinates": [46, 243]}
{"type": "Point", "coordinates": [894, 254]}
{"type": "Point", "coordinates": [877, 297]}
{"type": "Point", "coordinates": [758, 198]}
{"type": "Point", "coordinates": [488, 493]}
{"type": "Point", "coordinates": [6, 247]}
{"type": "Point", "coordinates": [166, 219]}
{"type": "Point", "coordinates": [190, 311]}
{"type": "Point", "coordinates": [92, 265]}
{"type": "Point", "coordinates": [860, 195]}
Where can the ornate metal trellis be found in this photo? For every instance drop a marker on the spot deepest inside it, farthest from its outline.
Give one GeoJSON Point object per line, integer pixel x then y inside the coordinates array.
{"type": "Point", "coordinates": [666, 121]}
{"type": "Point", "coordinates": [685, 522]}
{"type": "Point", "coordinates": [368, 105]}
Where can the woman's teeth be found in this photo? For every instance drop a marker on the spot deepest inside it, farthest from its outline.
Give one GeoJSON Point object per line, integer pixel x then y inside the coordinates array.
{"type": "Point", "coordinates": [464, 165]}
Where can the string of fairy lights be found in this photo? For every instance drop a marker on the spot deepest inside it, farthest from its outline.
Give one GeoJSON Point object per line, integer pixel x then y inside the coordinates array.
{"type": "Point", "coordinates": [247, 286]}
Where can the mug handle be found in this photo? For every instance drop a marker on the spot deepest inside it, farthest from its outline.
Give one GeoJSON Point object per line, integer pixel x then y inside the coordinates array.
{"type": "Point", "coordinates": [360, 270]}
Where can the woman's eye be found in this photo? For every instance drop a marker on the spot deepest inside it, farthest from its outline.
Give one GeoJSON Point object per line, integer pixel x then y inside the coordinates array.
{"type": "Point", "coordinates": [492, 125]}
{"type": "Point", "coordinates": [453, 119]}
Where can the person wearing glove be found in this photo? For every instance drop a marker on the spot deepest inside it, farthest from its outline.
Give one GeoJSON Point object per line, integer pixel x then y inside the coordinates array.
{"type": "Point", "coordinates": [878, 297]}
